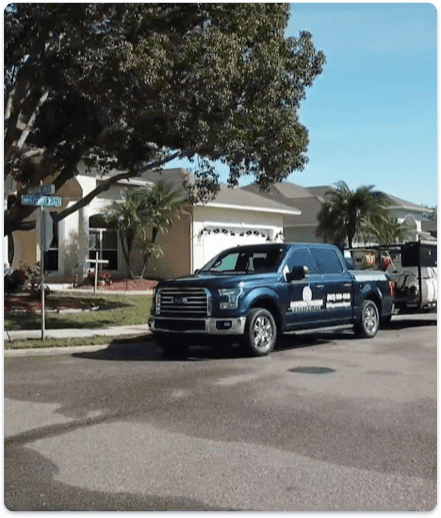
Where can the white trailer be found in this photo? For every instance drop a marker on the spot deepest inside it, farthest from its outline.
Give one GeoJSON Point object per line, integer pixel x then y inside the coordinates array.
{"type": "Point", "coordinates": [412, 267]}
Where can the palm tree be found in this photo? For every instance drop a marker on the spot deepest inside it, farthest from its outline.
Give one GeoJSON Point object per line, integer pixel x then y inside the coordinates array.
{"type": "Point", "coordinates": [347, 213]}
{"type": "Point", "coordinates": [160, 206]}
{"type": "Point", "coordinates": [143, 212]}
{"type": "Point", "coordinates": [386, 229]}
{"type": "Point", "coordinates": [125, 216]}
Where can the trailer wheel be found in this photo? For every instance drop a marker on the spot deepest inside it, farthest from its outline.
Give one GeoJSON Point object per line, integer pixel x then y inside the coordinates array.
{"type": "Point", "coordinates": [369, 321]}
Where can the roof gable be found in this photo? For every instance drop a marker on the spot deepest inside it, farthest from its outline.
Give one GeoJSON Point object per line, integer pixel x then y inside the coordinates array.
{"type": "Point", "coordinates": [246, 200]}
{"type": "Point", "coordinates": [227, 197]}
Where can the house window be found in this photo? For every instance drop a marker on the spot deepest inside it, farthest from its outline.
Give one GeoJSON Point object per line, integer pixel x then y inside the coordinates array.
{"type": "Point", "coordinates": [51, 257]}
{"type": "Point", "coordinates": [103, 238]}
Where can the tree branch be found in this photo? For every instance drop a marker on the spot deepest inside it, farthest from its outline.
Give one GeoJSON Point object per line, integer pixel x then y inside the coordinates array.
{"type": "Point", "coordinates": [104, 186]}
{"type": "Point", "coordinates": [31, 120]}
{"type": "Point", "coordinates": [13, 108]}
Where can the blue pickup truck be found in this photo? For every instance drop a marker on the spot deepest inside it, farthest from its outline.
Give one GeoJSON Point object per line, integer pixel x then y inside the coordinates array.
{"type": "Point", "coordinates": [257, 292]}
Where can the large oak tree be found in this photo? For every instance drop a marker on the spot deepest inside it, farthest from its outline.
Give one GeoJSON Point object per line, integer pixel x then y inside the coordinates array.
{"type": "Point", "coordinates": [129, 87]}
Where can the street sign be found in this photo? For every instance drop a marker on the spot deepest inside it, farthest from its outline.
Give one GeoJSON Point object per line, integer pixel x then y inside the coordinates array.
{"type": "Point", "coordinates": [42, 201]}
{"type": "Point", "coordinates": [44, 189]}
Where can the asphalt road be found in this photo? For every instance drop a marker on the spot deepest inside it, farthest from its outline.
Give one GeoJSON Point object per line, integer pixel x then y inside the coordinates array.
{"type": "Point", "coordinates": [325, 423]}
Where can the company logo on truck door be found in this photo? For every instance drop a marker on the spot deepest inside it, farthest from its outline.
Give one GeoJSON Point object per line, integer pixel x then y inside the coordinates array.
{"type": "Point", "coordinates": [338, 300]}
{"type": "Point", "coordinates": [307, 304]}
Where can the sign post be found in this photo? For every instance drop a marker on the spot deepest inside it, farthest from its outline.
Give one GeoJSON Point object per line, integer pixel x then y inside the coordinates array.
{"type": "Point", "coordinates": [42, 249]}
{"type": "Point", "coordinates": [40, 198]}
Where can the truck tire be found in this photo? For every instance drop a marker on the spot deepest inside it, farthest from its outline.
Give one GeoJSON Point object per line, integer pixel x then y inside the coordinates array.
{"type": "Point", "coordinates": [171, 345]}
{"type": "Point", "coordinates": [369, 321]}
{"type": "Point", "coordinates": [260, 332]}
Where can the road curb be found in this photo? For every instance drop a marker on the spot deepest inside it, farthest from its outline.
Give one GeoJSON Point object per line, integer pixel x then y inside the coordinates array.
{"type": "Point", "coordinates": [41, 351]}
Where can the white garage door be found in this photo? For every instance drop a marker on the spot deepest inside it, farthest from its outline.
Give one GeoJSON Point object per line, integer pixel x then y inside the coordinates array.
{"type": "Point", "coordinates": [217, 239]}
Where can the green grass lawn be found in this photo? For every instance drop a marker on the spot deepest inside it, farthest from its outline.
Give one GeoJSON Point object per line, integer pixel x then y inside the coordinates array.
{"type": "Point", "coordinates": [95, 311]}
{"type": "Point", "coordinates": [91, 312]}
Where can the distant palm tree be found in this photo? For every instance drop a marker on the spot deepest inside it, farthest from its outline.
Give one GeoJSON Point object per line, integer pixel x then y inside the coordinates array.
{"type": "Point", "coordinates": [347, 213]}
{"type": "Point", "coordinates": [386, 229]}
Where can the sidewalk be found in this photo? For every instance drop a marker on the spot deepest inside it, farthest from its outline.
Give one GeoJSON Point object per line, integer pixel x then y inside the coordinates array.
{"type": "Point", "coordinates": [111, 332]}
{"type": "Point", "coordinates": [142, 329]}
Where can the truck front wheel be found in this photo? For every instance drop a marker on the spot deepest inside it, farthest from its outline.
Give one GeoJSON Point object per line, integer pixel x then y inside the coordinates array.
{"type": "Point", "coordinates": [260, 332]}
{"type": "Point", "coordinates": [370, 320]}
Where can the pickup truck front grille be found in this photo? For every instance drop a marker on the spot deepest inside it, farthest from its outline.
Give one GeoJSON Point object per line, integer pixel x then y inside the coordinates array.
{"type": "Point", "coordinates": [183, 302]}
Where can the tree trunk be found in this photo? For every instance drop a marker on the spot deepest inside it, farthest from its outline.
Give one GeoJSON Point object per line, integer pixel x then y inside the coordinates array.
{"type": "Point", "coordinates": [126, 252]}
{"type": "Point", "coordinates": [141, 276]}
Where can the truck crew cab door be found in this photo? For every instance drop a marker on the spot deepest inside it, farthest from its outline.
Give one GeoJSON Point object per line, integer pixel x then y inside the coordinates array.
{"type": "Point", "coordinates": [305, 301]}
{"type": "Point", "coordinates": [338, 285]}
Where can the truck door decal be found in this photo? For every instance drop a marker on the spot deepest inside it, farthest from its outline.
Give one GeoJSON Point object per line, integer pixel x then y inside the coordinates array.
{"type": "Point", "coordinates": [307, 304]}
{"type": "Point", "coordinates": [338, 300]}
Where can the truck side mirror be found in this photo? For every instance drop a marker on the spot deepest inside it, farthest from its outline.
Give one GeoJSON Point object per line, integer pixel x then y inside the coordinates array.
{"type": "Point", "coordinates": [297, 273]}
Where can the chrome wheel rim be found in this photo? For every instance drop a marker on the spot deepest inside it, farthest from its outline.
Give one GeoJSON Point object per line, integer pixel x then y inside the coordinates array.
{"type": "Point", "coordinates": [263, 333]}
{"type": "Point", "coordinates": [370, 319]}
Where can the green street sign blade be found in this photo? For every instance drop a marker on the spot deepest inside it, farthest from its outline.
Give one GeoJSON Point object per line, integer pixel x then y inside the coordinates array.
{"type": "Point", "coordinates": [42, 201]}
{"type": "Point", "coordinates": [44, 190]}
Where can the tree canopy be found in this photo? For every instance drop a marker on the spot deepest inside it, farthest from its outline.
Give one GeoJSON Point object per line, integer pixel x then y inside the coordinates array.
{"type": "Point", "coordinates": [126, 88]}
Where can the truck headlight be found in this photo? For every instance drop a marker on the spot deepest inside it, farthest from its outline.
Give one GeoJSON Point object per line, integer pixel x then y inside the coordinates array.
{"type": "Point", "coordinates": [232, 296]}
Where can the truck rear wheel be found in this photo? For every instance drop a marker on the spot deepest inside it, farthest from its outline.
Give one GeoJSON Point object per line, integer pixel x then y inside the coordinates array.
{"type": "Point", "coordinates": [370, 320]}
{"type": "Point", "coordinates": [260, 332]}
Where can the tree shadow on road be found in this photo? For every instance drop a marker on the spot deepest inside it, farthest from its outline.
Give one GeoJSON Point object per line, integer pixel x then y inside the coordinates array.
{"type": "Point", "coordinates": [31, 485]}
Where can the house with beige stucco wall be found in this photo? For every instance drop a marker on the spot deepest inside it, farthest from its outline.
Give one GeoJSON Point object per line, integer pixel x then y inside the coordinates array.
{"type": "Point", "coordinates": [237, 216]}
{"type": "Point", "coordinates": [198, 233]}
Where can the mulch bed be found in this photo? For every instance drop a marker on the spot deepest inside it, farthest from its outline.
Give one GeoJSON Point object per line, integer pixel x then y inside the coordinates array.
{"type": "Point", "coordinates": [127, 285]}
{"type": "Point", "coordinates": [23, 302]}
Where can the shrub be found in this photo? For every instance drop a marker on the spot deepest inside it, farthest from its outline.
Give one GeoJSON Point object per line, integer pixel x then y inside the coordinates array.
{"type": "Point", "coordinates": [18, 278]}
{"type": "Point", "coordinates": [103, 276]}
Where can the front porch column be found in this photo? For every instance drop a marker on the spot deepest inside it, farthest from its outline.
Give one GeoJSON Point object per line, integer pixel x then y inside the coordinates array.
{"type": "Point", "coordinates": [83, 244]}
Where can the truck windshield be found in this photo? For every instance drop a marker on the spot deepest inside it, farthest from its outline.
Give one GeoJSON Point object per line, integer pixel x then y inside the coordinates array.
{"type": "Point", "coordinates": [246, 261]}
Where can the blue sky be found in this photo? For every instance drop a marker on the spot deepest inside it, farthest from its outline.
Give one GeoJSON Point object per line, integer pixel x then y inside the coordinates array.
{"type": "Point", "coordinates": [372, 113]}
